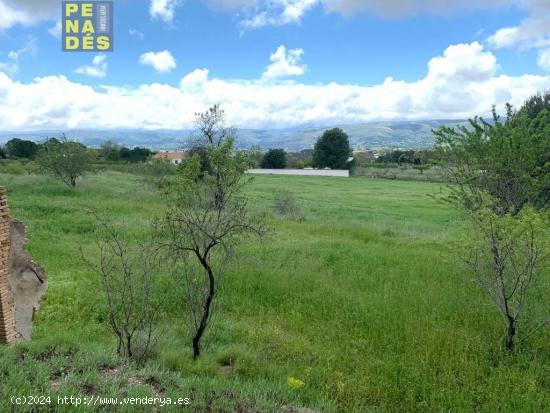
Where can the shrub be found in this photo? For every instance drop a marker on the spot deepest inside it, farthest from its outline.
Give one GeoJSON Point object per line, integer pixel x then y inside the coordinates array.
{"type": "Point", "coordinates": [128, 276]}
{"type": "Point", "coordinates": [285, 205]}
{"type": "Point", "coordinates": [274, 159]}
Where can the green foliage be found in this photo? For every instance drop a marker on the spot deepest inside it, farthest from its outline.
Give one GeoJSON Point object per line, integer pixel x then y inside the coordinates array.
{"type": "Point", "coordinates": [332, 150]}
{"type": "Point", "coordinates": [65, 160]}
{"type": "Point", "coordinates": [18, 167]}
{"type": "Point", "coordinates": [274, 159]}
{"type": "Point", "coordinates": [507, 159]}
{"type": "Point", "coordinates": [498, 173]}
{"type": "Point", "coordinates": [3, 153]}
{"type": "Point", "coordinates": [254, 156]}
{"type": "Point", "coordinates": [110, 150]}
{"type": "Point", "coordinates": [534, 118]}
{"type": "Point", "coordinates": [19, 148]}
{"type": "Point", "coordinates": [136, 154]}
{"type": "Point", "coordinates": [156, 172]}
{"type": "Point", "coordinates": [202, 152]}
{"type": "Point", "coordinates": [418, 158]}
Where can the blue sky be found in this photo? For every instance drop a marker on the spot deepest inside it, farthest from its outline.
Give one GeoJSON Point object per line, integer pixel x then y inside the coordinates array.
{"type": "Point", "coordinates": [274, 63]}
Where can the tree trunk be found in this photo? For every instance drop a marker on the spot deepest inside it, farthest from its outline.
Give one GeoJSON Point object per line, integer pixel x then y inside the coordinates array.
{"type": "Point", "coordinates": [511, 334]}
{"type": "Point", "coordinates": [206, 310]}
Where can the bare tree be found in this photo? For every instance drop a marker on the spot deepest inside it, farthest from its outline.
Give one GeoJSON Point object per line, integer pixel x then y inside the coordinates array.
{"type": "Point", "coordinates": [127, 276]}
{"type": "Point", "coordinates": [207, 217]}
{"type": "Point", "coordinates": [508, 255]}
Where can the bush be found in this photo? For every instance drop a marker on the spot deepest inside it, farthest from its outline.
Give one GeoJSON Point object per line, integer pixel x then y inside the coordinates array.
{"type": "Point", "coordinates": [12, 168]}
{"type": "Point", "coordinates": [156, 172]}
{"type": "Point", "coordinates": [274, 159]}
{"type": "Point", "coordinates": [19, 148]}
{"type": "Point", "coordinates": [285, 205]}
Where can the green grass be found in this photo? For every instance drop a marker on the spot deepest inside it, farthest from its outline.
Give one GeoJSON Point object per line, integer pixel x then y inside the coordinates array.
{"type": "Point", "coordinates": [364, 302]}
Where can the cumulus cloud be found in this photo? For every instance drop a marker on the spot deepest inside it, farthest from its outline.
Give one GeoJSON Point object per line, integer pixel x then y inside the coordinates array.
{"type": "Point", "coordinates": [162, 62]}
{"type": "Point", "coordinates": [284, 64]}
{"type": "Point", "coordinates": [531, 33]}
{"type": "Point", "coordinates": [463, 81]}
{"type": "Point", "coordinates": [98, 68]}
{"type": "Point", "coordinates": [278, 12]}
{"type": "Point", "coordinates": [163, 9]}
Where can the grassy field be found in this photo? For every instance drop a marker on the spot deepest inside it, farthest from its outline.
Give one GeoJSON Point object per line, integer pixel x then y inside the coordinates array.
{"type": "Point", "coordinates": [363, 302]}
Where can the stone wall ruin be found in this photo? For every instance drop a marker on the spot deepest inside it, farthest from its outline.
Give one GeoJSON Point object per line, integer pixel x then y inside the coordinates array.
{"type": "Point", "coordinates": [22, 282]}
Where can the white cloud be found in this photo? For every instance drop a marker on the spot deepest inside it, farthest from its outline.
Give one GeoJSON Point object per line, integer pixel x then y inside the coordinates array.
{"type": "Point", "coordinates": [11, 66]}
{"type": "Point", "coordinates": [278, 12]}
{"type": "Point", "coordinates": [163, 9]}
{"type": "Point", "coordinates": [136, 33]}
{"type": "Point", "coordinates": [195, 79]}
{"type": "Point", "coordinates": [27, 12]}
{"type": "Point", "coordinates": [55, 30]}
{"type": "Point", "coordinates": [532, 33]}
{"type": "Point", "coordinates": [162, 62]}
{"type": "Point", "coordinates": [284, 64]}
{"type": "Point", "coordinates": [464, 81]}
{"type": "Point", "coordinates": [98, 68]}
{"type": "Point", "coordinates": [544, 59]}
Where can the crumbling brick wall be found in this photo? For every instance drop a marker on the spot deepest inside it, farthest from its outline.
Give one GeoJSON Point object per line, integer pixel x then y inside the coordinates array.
{"type": "Point", "coordinates": [22, 281]}
{"type": "Point", "coordinates": [8, 334]}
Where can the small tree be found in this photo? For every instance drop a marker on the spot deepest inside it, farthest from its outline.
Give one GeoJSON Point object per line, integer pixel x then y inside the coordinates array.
{"type": "Point", "coordinates": [332, 150]}
{"type": "Point", "coordinates": [274, 159]}
{"type": "Point", "coordinates": [255, 156]}
{"type": "Point", "coordinates": [128, 278]}
{"type": "Point", "coordinates": [65, 160]}
{"type": "Point", "coordinates": [207, 217]}
{"type": "Point", "coordinates": [493, 168]}
{"type": "Point", "coordinates": [508, 254]}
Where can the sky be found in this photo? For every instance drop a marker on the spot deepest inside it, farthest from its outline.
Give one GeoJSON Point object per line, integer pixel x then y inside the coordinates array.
{"type": "Point", "coordinates": [273, 63]}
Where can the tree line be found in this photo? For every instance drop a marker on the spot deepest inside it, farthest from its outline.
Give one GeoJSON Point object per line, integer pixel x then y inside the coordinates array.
{"type": "Point", "coordinates": [17, 148]}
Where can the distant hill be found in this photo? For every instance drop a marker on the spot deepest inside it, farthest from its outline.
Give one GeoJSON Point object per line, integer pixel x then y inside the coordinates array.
{"type": "Point", "coordinates": [372, 135]}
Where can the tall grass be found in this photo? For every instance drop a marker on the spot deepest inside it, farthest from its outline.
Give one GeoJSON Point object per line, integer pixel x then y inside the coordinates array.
{"type": "Point", "coordinates": [360, 307]}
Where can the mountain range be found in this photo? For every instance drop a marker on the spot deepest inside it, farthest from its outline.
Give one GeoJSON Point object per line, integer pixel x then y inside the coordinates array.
{"type": "Point", "coordinates": [373, 135]}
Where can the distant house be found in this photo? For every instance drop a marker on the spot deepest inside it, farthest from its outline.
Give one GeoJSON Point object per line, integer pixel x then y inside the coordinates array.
{"type": "Point", "coordinates": [175, 158]}
{"type": "Point", "coordinates": [365, 156]}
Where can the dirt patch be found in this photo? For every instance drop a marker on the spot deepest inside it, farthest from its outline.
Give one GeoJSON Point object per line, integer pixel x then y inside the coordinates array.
{"type": "Point", "coordinates": [110, 371]}
{"type": "Point", "coordinates": [89, 389]}
{"type": "Point", "coordinates": [159, 388]}
{"type": "Point", "coordinates": [27, 281]}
